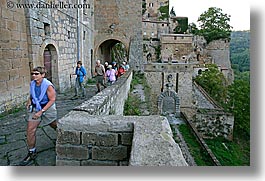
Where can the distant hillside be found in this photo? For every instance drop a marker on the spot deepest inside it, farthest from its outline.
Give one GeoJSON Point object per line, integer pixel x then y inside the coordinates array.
{"type": "Point", "coordinates": [239, 50]}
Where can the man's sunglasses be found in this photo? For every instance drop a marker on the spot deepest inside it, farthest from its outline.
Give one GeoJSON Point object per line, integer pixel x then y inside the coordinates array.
{"type": "Point", "coordinates": [37, 73]}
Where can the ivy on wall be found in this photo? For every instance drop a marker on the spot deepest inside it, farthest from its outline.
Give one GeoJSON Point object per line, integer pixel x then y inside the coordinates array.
{"type": "Point", "coordinates": [164, 12]}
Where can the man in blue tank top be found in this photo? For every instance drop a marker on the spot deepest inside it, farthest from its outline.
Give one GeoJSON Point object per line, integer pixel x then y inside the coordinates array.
{"type": "Point", "coordinates": [41, 110]}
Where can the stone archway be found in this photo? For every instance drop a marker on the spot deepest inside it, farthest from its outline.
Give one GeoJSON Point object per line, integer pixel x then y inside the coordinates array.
{"type": "Point", "coordinates": [53, 49]}
{"type": "Point", "coordinates": [168, 103]}
{"type": "Point", "coordinates": [104, 51]}
{"type": "Point", "coordinates": [50, 62]}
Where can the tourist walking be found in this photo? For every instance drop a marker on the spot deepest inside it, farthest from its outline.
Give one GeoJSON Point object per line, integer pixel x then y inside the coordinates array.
{"type": "Point", "coordinates": [41, 110]}
{"type": "Point", "coordinates": [121, 70]}
{"type": "Point", "coordinates": [80, 73]}
{"type": "Point", "coordinates": [125, 66]}
{"type": "Point", "coordinates": [100, 75]}
{"type": "Point", "coordinates": [111, 75]}
{"type": "Point", "coordinates": [115, 67]}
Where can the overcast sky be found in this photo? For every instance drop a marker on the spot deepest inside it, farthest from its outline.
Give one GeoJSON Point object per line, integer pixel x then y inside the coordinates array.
{"type": "Point", "coordinates": [239, 10]}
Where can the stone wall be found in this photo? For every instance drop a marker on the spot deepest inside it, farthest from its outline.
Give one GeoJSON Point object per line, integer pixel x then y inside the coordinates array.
{"type": "Point", "coordinates": [109, 101]}
{"type": "Point", "coordinates": [64, 32]}
{"type": "Point", "coordinates": [90, 136]}
{"type": "Point", "coordinates": [153, 143]}
{"type": "Point", "coordinates": [85, 140]}
{"type": "Point", "coordinates": [219, 50]}
{"type": "Point", "coordinates": [202, 100]}
{"type": "Point", "coordinates": [211, 120]}
{"type": "Point", "coordinates": [89, 140]}
{"type": "Point", "coordinates": [154, 29]}
{"type": "Point", "coordinates": [178, 46]}
{"type": "Point", "coordinates": [14, 60]}
{"type": "Point", "coordinates": [214, 123]}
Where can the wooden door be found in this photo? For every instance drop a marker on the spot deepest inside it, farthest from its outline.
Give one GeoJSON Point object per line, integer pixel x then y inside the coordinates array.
{"type": "Point", "coordinates": [48, 64]}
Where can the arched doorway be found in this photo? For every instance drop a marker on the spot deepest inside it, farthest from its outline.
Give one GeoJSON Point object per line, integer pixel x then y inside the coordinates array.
{"type": "Point", "coordinates": [112, 50]}
{"type": "Point", "coordinates": [169, 103]}
{"type": "Point", "coordinates": [50, 61]}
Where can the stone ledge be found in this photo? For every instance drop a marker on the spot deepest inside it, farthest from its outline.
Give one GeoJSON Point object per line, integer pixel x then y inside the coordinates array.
{"type": "Point", "coordinates": [152, 144]}
{"type": "Point", "coordinates": [84, 122]}
{"type": "Point", "coordinates": [110, 100]}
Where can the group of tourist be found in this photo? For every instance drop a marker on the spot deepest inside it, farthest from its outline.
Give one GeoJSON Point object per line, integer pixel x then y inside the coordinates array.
{"type": "Point", "coordinates": [104, 75]}
{"type": "Point", "coordinates": [41, 106]}
{"type": "Point", "coordinates": [113, 72]}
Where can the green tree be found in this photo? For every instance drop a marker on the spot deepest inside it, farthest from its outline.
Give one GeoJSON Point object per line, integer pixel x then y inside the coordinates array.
{"type": "Point", "coordinates": [164, 12]}
{"type": "Point", "coordinates": [143, 7]}
{"type": "Point", "coordinates": [193, 28]}
{"type": "Point", "coordinates": [239, 48]}
{"type": "Point", "coordinates": [182, 25]}
{"type": "Point", "coordinates": [214, 24]}
{"type": "Point", "coordinates": [238, 102]}
{"type": "Point", "coordinates": [118, 53]}
{"type": "Point", "coordinates": [213, 82]}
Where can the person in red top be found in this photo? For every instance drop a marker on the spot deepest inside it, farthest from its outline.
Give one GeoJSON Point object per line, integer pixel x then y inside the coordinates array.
{"type": "Point", "coordinates": [121, 71]}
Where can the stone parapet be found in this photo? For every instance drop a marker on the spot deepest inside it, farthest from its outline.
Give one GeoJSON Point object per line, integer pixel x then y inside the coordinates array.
{"type": "Point", "coordinates": [153, 144]}
{"type": "Point", "coordinates": [90, 136]}
{"type": "Point", "coordinates": [109, 100]}
{"type": "Point", "coordinates": [85, 139]}
{"type": "Point", "coordinates": [113, 140]}
{"type": "Point", "coordinates": [169, 68]}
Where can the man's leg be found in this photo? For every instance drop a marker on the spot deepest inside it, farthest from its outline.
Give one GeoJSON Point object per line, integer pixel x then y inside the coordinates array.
{"type": "Point", "coordinates": [98, 86]}
{"type": "Point", "coordinates": [82, 86]}
{"type": "Point", "coordinates": [103, 83]}
{"type": "Point", "coordinates": [76, 87]}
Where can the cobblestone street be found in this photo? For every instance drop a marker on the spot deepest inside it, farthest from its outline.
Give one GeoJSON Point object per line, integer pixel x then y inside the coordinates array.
{"type": "Point", "coordinates": [13, 146]}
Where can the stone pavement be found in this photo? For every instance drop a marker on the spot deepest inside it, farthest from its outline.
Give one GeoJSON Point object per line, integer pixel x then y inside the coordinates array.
{"type": "Point", "coordinates": [13, 145]}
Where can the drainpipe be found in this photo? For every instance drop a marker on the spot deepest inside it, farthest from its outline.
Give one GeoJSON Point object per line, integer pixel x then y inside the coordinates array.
{"type": "Point", "coordinates": [78, 34]}
{"type": "Point", "coordinates": [78, 43]}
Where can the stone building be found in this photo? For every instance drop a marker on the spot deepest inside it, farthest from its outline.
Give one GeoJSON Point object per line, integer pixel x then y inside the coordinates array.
{"type": "Point", "coordinates": [38, 34]}
{"type": "Point", "coordinates": [219, 50]}
{"type": "Point", "coordinates": [151, 10]}
{"type": "Point", "coordinates": [156, 75]}
{"type": "Point", "coordinates": [154, 29]}
{"type": "Point", "coordinates": [177, 47]}
{"type": "Point", "coordinates": [153, 23]}
{"type": "Point", "coordinates": [118, 22]}
{"type": "Point", "coordinates": [56, 35]}
{"type": "Point", "coordinates": [182, 56]}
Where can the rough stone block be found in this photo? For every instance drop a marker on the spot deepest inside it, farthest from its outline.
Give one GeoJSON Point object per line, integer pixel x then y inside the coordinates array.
{"type": "Point", "coordinates": [123, 163]}
{"type": "Point", "coordinates": [153, 144]}
{"type": "Point", "coordinates": [72, 152]}
{"type": "Point", "coordinates": [98, 163]}
{"type": "Point", "coordinates": [84, 122]}
{"type": "Point", "coordinates": [109, 153]}
{"type": "Point", "coordinates": [126, 138]}
{"type": "Point", "coordinates": [100, 139]}
{"type": "Point", "coordinates": [72, 137]}
{"type": "Point", "coordinates": [67, 162]}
